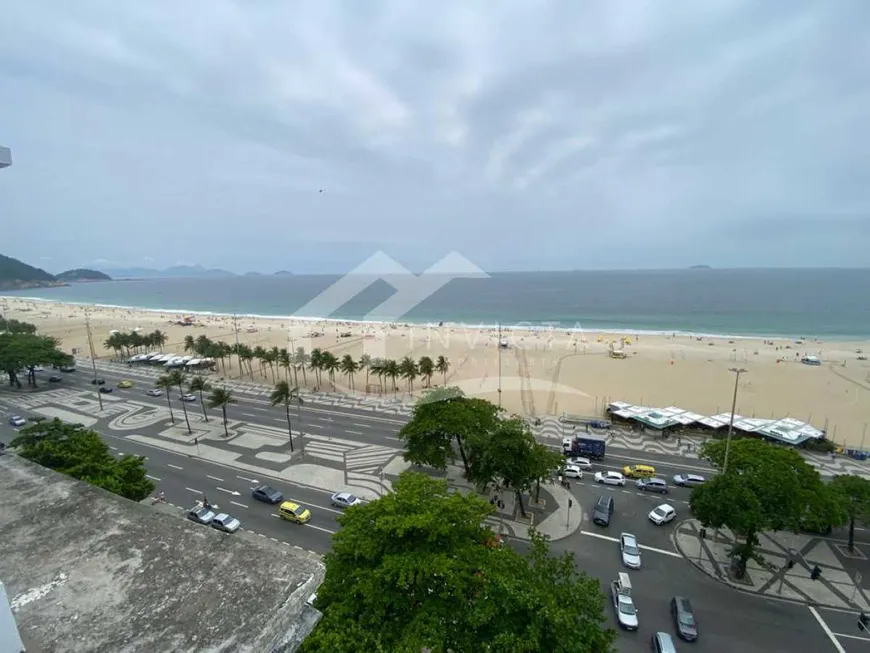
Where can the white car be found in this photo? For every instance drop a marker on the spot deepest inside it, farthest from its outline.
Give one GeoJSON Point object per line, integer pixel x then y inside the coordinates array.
{"type": "Point", "coordinates": [188, 397]}
{"type": "Point", "coordinates": [630, 550]}
{"type": "Point", "coordinates": [226, 523]}
{"type": "Point", "coordinates": [17, 420]}
{"type": "Point", "coordinates": [572, 471]}
{"type": "Point", "coordinates": [662, 514]}
{"type": "Point", "coordinates": [582, 463]}
{"type": "Point", "coordinates": [154, 392]}
{"type": "Point", "coordinates": [610, 478]}
{"type": "Point", "coordinates": [344, 500]}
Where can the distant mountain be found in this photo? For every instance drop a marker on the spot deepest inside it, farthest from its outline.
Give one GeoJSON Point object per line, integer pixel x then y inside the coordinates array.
{"type": "Point", "coordinates": [253, 274]}
{"type": "Point", "coordinates": [176, 272]}
{"type": "Point", "coordinates": [82, 274]}
{"type": "Point", "coordinates": [700, 267]}
{"type": "Point", "coordinates": [14, 275]}
{"type": "Point", "coordinates": [282, 273]}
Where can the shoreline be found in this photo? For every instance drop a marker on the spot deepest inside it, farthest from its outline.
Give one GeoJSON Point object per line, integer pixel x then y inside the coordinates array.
{"type": "Point", "coordinates": [542, 326]}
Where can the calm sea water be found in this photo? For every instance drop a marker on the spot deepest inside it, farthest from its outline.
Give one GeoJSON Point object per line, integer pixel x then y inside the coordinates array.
{"type": "Point", "coordinates": [825, 303]}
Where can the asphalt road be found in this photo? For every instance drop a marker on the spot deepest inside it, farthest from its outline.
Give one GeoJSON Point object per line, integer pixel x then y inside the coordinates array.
{"type": "Point", "coordinates": [729, 620]}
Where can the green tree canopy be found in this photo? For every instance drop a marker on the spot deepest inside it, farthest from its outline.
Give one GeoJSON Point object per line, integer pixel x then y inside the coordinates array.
{"type": "Point", "coordinates": [441, 416]}
{"type": "Point", "coordinates": [73, 450]}
{"type": "Point", "coordinates": [22, 348]}
{"type": "Point", "coordinates": [852, 496]}
{"type": "Point", "coordinates": [416, 570]}
{"type": "Point", "coordinates": [765, 488]}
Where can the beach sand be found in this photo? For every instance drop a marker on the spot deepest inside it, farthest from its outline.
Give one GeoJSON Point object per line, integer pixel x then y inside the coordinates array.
{"type": "Point", "coordinates": [542, 372]}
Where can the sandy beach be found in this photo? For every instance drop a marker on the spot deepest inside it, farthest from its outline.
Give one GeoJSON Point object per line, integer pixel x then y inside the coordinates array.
{"type": "Point", "coordinates": [542, 372]}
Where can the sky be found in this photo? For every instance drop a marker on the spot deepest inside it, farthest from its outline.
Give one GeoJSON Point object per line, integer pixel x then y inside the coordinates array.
{"type": "Point", "coordinates": [518, 135]}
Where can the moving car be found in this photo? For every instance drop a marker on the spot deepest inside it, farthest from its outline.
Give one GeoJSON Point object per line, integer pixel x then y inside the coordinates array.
{"type": "Point", "coordinates": [652, 485]}
{"type": "Point", "coordinates": [294, 512]}
{"type": "Point", "coordinates": [267, 494]}
{"type": "Point", "coordinates": [639, 471]}
{"type": "Point", "coordinates": [126, 383]}
{"type": "Point", "coordinates": [662, 643]}
{"type": "Point", "coordinates": [54, 379]}
{"type": "Point", "coordinates": [662, 514]}
{"type": "Point", "coordinates": [226, 523]}
{"type": "Point", "coordinates": [610, 478]}
{"type": "Point", "coordinates": [582, 463]}
{"type": "Point", "coordinates": [155, 392]}
{"type": "Point", "coordinates": [603, 510]}
{"type": "Point", "coordinates": [572, 471]}
{"type": "Point", "coordinates": [17, 420]}
{"type": "Point", "coordinates": [105, 390]}
{"type": "Point", "coordinates": [620, 593]}
{"type": "Point", "coordinates": [200, 515]}
{"type": "Point", "coordinates": [688, 480]}
{"type": "Point", "coordinates": [344, 500]}
{"type": "Point", "coordinates": [684, 618]}
{"type": "Point", "coordinates": [98, 381]}
{"type": "Point", "coordinates": [630, 550]}
{"type": "Point", "coordinates": [188, 397]}
{"type": "Point", "coordinates": [67, 368]}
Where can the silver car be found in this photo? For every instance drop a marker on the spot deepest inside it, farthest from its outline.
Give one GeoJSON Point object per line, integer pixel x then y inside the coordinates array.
{"type": "Point", "coordinates": [630, 550]}
{"type": "Point", "coordinates": [626, 613]}
{"type": "Point", "coordinates": [226, 523]}
{"type": "Point", "coordinates": [688, 480]}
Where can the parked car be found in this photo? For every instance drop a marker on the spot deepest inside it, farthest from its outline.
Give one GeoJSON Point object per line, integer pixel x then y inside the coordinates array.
{"type": "Point", "coordinates": [201, 515]}
{"type": "Point", "coordinates": [572, 471]}
{"type": "Point", "coordinates": [630, 550]}
{"type": "Point", "coordinates": [639, 471]}
{"type": "Point", "coordinates": [126, 383]}
{"type": "Point", "coordinates": [688, 480]}
{"type": "Point", "coordinates": [54, 379]}
{"type": "Point", "coordinates": [684, 618]}
{"type": "Point", "coordinates": [344, 500]}
{"type": "Point", "coordinates": [267, 494]}
{"type": "Point", "coordinates": [652, 485]}
{"type": "Point", "coordinates": [105, 390]}
{"type": "Point", "coordinates": [662, 643]}
{"type": "Point", "coordinates": [155, 392]}
{"type": "Point", "coordinates": [603, 510]}
{"type": "Point", "coordinates": [610, 478]}
{"type": "Point", "coordinates": [17, 420]}
{"type": "Point", "coordinates": [226, 523]}
{"type": "Point", "coordinates": [662, 514]}
{"type": "Point", "coordinates": [582, 463]}
{"type": "Point", "coordinates": [67, 369]}
{"type": "Point", "coordinates": [188, 397]}
{"type": "Point", "coordinates": [294, 512]}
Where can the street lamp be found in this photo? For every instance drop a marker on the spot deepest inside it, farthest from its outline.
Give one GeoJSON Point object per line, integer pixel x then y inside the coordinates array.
{"type": "Point", "coordinates": [737, 372]}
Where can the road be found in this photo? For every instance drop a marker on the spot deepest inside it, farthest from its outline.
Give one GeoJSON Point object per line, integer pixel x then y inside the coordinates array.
{"type": "Point", "coordinates": [729, 620]}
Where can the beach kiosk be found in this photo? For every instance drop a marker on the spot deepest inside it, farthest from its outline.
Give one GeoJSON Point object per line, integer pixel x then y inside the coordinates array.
{"type": "Point", "coordinates": [811, 360]}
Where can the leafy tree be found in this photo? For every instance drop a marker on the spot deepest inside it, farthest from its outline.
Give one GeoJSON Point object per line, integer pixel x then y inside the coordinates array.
{"type": "Point", "coordinates": [415, 571]}
{"type": "Point", "coordinates": [16, 326]}
{"type": "Point", "coordinates": [765, 488]}
{"type": "Point", "coordinates": [442, 416]}
{"type": "Point", "coordinates": [852, 494]}
{"type": "Point", "coordinates": [284, 394]}
{"type": "Point", "coordinates": [221, 398]}
{"type": "Point", "coordinates": [199, 385]}
{"type": "Point", "coordinates": [22, 348]}
{"type": "Point", "coordinates": [75, 451]}
{"type": "Point", "coordinates": [166, 384]}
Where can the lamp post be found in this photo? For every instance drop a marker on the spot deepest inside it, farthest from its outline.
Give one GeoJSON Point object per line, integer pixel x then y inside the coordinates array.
{"type": "Point", "coordinates": [737, 372]}
{"type": "Point", "coordinates": [93, 358]}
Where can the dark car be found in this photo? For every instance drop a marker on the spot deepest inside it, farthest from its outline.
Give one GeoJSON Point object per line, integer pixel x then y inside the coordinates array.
{"type": "Point", "coordinates": [105, 390]}
{"type": "Point", "coordinates": [54, 379]}
{"type": "Point", "coordinates": [603, 510]}
{"type": "Point", "coordinates": [684, 618]}
{"type": "Point", "coordinates": [98, 382]}
{"type": "Point", "coordinates": [267, 494]}
{"type": "Point", "coordinates": [652, 485]}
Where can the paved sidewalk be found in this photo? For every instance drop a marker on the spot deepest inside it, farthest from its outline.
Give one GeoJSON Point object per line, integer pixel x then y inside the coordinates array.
{"type": "Point", "coordinates": [835, 588]}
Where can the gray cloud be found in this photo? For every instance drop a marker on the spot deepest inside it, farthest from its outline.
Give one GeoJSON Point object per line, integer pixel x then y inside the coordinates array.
{"type": "Point", "coordinates": [543, 134]}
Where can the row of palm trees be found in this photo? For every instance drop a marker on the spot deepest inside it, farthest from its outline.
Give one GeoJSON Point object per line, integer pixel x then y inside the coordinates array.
{"type": "Point", "coordinates": [135, 342]}
{"type": "Point", "coordinates": [222, 397]}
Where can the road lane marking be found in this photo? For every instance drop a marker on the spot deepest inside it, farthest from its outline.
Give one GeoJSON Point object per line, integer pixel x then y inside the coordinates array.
{"type": "Point", "coordinates": [249, 480]}
{"type": "Point", "coordinates": [320, 528]}
{"type": "Point", "coordinates": [113, 448]}
{"type": "Point", "coordinates": [240, 505]}
{"type": "Point", "coordinates": [174, 466]}
{"type": "Point", "coordinates": [214, 478]}
{"type": "Point", "coordinates": [863, 639]}
{"type": "Point", "coordinates": [317, 426]}
{"type": "Point", "coordinates": [233, 492]}
{"type": "Point", "coordinates": [190, 489]}
{"type": "Point", "coordinates": [362, 426]}
{"type": "Point", "coordinates": [827, 630]}
{"type": "Point", "coordinates": [354, 432]}
{"type": "Point", "coordinates": [153, 478]}
{"type": "Point", "coordinates": [641, 546]}
{"type": "Point", "coordinates": [326, 419]}
{"type": "Point", "coordinates": [248, 415]}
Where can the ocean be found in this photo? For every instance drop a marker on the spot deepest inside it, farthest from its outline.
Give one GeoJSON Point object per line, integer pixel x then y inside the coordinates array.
{"type": "Point", "coordinates": [821, 303]}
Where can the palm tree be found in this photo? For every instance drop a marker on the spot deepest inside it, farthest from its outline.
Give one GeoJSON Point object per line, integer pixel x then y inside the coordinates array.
{"type": "Point", "coordinates": [379, 369]}
{"type": "Point", "coordinates": [408, 370]}
{"type": "Point", "coordinates": [300, 360]}
{"type": "Point", "coordinates": [391, 370]}
{"type": "Point", "coordinates": [221, 398]}
{"type": "Point", "coordinates": [166, 384]}
{"type": "Point", "coordinates": [441, 366]}
{"type": "Point", "coordinates": [285, 361]}
{"type": "Point", "coordinates": [260, 355]}
{"type": "Point", "coordinates": [200, 385]}
{"type": "Point", "coordinates": [349, 367]}
{"type": "Point", "coordinates": [189, 344]}
{"type": "Point", "coordinates": [427, 369]}
{"type": "Point", "coordinates": [284, 394]}
{"type": "Point", "coordinates": [316, 363]}
{"type": "Point", "coordinates": [330, 364]}
{"type": "Point", "coordinates": [178, 378]}
{"type": "Point", "coordinates": [247, 356]}
{"type": "Point", "coordinates": [365, 363]}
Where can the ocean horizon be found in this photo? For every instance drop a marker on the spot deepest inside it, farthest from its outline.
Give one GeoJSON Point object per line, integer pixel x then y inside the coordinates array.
{"type": "Point", "coordinates": [828, 304]}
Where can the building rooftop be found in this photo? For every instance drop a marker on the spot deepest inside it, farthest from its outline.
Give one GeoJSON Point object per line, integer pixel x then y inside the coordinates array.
{"type": "Point", "coordinates": [86, 571]}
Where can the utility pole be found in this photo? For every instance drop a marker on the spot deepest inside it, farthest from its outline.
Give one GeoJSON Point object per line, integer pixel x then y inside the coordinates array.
{"type": "Point", "coordinates": [499, 364]}
{"type": "Point", "coordinates": [93, 358]}
{"type": "Point", "coordinates": [737, 372]}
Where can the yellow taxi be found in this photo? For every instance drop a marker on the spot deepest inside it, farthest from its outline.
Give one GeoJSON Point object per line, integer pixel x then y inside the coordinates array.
{"type": "Point", "coordinates": [126, 383]}
{"type": "Point", "coordinates": [639, 471]}
{"type": "Point", "coordinates": [294, 512]}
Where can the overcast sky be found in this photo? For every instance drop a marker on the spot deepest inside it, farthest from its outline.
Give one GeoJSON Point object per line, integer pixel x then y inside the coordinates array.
{"type": "Point", "coordinates": [523, 134]}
